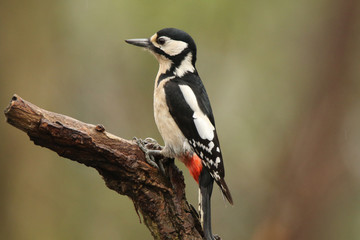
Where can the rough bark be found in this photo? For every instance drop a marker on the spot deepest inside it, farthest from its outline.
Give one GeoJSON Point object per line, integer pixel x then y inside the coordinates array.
{"type": "Point", "coordinates": [160, 199]}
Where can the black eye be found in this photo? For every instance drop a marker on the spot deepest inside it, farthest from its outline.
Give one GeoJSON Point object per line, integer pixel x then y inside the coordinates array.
{"type": "Point", "coordinates": [160, 41]}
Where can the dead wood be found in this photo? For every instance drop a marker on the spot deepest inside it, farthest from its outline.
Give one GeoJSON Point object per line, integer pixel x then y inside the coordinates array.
{"type": "Point", "coordinates": [160, 199]}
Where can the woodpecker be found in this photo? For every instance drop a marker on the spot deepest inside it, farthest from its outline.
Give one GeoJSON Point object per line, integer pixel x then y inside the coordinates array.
{"type": "Point", "coordinates": [184, 116]}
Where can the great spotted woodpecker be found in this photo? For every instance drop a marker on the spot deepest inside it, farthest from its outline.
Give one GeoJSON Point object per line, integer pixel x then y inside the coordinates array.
{"type": "Point", "coordinates": [184, 116]}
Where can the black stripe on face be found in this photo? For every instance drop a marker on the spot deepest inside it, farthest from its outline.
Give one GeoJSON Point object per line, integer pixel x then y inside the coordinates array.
{"type": "Point", "coordinates": [161, 52]}
{"type": "Point", "coordinates": [176, 59]}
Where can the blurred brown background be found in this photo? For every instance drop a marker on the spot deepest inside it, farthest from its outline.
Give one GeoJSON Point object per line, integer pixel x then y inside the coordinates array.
{"type": "Point", "coordinates": [284, 81]}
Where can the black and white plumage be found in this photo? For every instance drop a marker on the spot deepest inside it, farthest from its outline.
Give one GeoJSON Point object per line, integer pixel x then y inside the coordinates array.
{"type": "Point", "coordinates": [183, 113]}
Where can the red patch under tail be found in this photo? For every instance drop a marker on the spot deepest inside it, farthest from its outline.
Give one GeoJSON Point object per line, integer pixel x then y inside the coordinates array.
{"type": "Point", "coordinates": [193, 163]}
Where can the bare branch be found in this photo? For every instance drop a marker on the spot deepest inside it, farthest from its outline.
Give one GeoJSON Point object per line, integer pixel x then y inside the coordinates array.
{"type": "Point", "coordinates": [161, 200]}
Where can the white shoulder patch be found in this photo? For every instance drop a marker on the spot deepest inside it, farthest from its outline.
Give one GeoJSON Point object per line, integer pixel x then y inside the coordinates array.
{"type": "Point", "coordinates": [190, 97]}
{"type": "Point", "coordinates": [202, 123]}
{"type": "Point", "coordinates": [204, 126]}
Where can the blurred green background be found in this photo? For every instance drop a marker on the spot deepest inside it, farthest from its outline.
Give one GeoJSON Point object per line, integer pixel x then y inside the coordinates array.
{"type": "Point", "coordinates": [284, 81]}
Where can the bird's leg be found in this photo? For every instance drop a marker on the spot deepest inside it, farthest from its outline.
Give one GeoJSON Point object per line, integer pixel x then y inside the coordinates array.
{"type": "Point", "coordinates": [153, 156]}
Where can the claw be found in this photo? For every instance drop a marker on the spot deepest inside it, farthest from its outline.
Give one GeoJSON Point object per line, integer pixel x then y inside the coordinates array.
{"type": "Point", "coordinates": [150, 155]}
{"type": "Point", "coordinates": [152, 141]}
{"type": "Point", "coordinates": [161, 166]}
{"type": "Point", "coordinates": [149, 158]}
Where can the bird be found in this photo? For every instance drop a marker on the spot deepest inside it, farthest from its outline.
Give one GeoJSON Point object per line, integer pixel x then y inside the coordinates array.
{"type": "Point", "coordinates": [184, 116]}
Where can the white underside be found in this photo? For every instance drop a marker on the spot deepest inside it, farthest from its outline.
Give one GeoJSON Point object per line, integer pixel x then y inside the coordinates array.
{"type": "Point", "coordinates": [175, 142]}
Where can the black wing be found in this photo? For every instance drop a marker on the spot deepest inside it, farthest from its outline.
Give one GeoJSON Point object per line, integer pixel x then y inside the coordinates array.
{"type": "Point", "coordinates": [207, 149]}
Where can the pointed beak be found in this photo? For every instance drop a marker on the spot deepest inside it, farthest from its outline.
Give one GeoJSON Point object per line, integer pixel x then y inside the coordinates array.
{"type": "Point", "coordinates": [140, 42]}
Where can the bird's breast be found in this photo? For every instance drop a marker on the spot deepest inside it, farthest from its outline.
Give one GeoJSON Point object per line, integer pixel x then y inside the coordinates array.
{"type": "Point", "coordinates": [175, 142]}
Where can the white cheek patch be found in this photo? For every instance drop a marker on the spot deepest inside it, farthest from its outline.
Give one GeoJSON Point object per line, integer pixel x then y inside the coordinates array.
{"type": "Point", "coordinates": [173, 47]}
{"type": "Point", "coordinates": [202, 123]}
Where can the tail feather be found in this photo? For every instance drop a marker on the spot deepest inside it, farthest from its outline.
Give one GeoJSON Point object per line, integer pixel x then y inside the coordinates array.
{"type": "Point", "coordinates": [225, 190]}
{"type": "Point", "coordinates": [205, 186]}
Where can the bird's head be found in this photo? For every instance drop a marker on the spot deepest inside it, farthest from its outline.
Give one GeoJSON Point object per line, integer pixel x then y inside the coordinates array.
{"type": "Point", "coordinates": [174, 49]}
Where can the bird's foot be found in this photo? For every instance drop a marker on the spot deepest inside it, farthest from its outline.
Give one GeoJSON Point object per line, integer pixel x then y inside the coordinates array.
{"type": "Point", "coordinates": [213, 237]}
{"type": "Point", "coordinates": [152, 151]}
{"type": "Point", "coordinates": [216, 237]}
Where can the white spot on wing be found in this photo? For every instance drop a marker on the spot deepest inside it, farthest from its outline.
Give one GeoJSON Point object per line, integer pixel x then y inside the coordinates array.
{"type": "Point", "coordinates": [211, 146]}
{"type": "Point", "coordinates": [203, 125]}
{"type": "Point", "coordinates": [216, 176]}
{"type": "Point", "coordinates": [217, 161]}
{"type": "Point", "coordinates": [202, 146]}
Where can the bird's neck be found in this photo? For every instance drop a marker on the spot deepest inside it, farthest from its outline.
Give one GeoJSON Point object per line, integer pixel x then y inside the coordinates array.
{"type": "Point", "coordinates": [165, 66]}
{"type": "Point", "coordinates": [174, 68]}
{"type": "Point", "coordinates": [185, 66]}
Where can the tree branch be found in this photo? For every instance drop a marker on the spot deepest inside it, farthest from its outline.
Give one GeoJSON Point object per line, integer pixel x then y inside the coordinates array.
{"type": "Point", "coordinates": [161, 200]}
